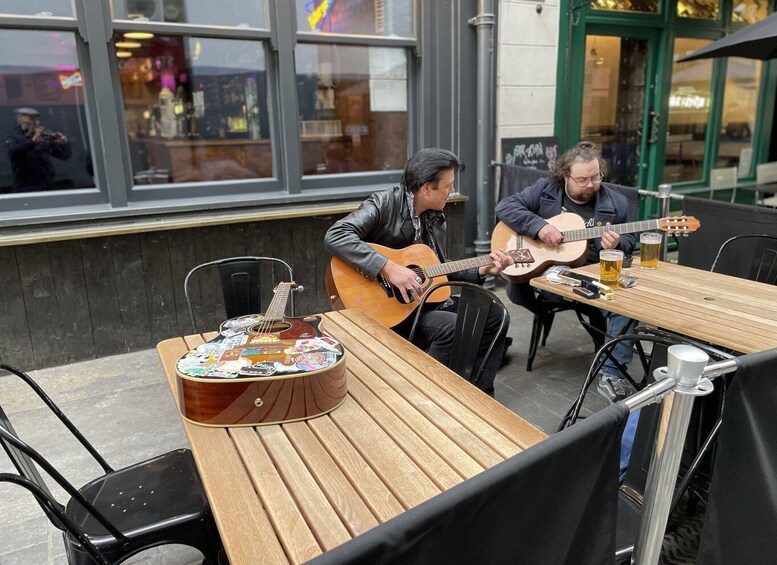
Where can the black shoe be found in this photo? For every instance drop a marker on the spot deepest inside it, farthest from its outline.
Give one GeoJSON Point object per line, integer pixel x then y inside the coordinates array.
{"type": "Point", "coordinates": [614, 388]}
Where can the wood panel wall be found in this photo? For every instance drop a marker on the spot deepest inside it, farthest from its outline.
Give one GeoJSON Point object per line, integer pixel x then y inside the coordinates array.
{"type": "Point", "coordinates": [68, 301]}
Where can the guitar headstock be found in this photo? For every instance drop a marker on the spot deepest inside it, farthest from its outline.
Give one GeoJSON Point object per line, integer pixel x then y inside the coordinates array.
{"type": "Point", "coordinates": [520, 255]}
{"type": "Point", "coordinates": [679, 224]}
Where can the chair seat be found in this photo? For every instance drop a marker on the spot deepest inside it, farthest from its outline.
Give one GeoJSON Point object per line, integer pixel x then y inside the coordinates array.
{"type": "Point", "coordinates": [157, 494]}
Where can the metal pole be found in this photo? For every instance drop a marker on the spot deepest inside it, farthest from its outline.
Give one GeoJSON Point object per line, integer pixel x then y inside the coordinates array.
{"type": "Point", "coordinates": [685, 366]}
{"type": "Point", "coordinates": [484, 22]}
{"type": "Point", "coordinates": [664, 193]}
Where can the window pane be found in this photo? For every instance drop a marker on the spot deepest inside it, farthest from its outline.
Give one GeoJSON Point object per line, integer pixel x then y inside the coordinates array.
{"type": "Point", "coordinates": [705, 9]}
{"type": "Point", "coordinates": [749, 11]}
{"type": "Point", "coordinates": [195, 108]}
{"type": "Point", "coordinates": [61, 8]}
{"type": "Point", "coordinates": [239, 13]}
{"type": "Point", "coordinates": [647, 6]}
{"type": "Point", "coordinates": [389, 18]}
{"type": "Point", "coordinates": [42, 113]}
{"type": "Point", "coordinates": [353, 108]}
{"type": "Point", "coordinates": [689, 105]}
{"type": "Point", "coordinates": [740, 101]}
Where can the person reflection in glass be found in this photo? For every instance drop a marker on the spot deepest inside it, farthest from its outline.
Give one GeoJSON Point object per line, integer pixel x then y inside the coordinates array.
{"type": "Point", "coordinates": [30, 147]}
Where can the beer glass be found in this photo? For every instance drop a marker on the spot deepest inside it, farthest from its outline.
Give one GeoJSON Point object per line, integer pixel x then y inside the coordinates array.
{"type": "Point", "coordinates": [649, 250]}
{"type": "Point", "coordinates": [610, 263]}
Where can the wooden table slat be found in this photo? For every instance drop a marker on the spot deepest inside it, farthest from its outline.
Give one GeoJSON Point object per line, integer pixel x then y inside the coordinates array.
{"type": "Point", "coordinates": [353, 511]}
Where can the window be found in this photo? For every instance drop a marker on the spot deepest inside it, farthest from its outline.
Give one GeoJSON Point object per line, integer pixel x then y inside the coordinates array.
{"type": "Point", "coordinates": [238, 13]}
{"type": "Point", "coordinates": [740, 105]}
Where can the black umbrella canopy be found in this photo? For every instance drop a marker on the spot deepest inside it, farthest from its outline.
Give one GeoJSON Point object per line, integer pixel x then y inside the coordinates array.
{"type": "Point", "coordinates": [756, 41]}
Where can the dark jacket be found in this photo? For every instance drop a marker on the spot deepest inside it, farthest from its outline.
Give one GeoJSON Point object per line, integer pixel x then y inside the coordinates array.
{"type": "Point", "coordinates": [526, 211]}
{"type": "Point", "coordinates": [31, 161]}
{"type": "Point", "coordinates": [384, 218]}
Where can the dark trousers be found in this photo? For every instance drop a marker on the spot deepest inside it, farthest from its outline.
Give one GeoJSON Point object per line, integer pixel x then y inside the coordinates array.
{"type": "Point", "coordinates": [435, 332]}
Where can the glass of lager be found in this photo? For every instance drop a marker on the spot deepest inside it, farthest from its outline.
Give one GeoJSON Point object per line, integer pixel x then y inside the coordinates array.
{"type": "Point", "coordinates": [649, 250]}
{"type": "Point", "coordinates": [610, 263]}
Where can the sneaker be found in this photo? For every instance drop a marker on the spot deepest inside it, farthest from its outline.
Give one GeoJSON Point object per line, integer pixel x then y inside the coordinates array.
{"type": "Point", "coordinates": [614, 388]}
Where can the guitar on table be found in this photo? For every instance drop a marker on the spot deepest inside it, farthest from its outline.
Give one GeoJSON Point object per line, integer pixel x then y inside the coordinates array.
{"type": "Point", "coordinates": [262, 369]}
{"type": "Point", "coordinates": [574, 249]}
{"type": "Point", "coordinates": [347, 288]}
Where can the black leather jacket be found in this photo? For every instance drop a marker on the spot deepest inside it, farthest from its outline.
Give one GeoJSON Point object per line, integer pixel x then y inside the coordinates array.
{"type": "Point", "coordinates": [384, 218]}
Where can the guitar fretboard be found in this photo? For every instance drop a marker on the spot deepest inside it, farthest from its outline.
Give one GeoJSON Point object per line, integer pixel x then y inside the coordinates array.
{"type": "Point", "coordinates": [456, 266]}
{"type": "Point", "coordinates": [588, 233]}
{"type": "Point", "coordinates": [277, 309]}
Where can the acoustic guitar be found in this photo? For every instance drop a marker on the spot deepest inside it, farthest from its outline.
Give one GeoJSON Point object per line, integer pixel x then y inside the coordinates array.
{"type": "Point", "coordinates": [574, 249]}
{"type": "Point", "coordinates": [262, 369]}
{"type": "Point", "coordinates": [347, 288]}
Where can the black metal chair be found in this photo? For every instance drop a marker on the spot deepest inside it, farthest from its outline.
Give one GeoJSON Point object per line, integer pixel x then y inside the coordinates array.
{"type": "Point", "coordinates": [246, 284]}
{"type": "Point", "coordinates": [123, 512]}
{"type": "Point", "coordinates": [475, 303]}
{"type": "Point", "coordinates": [751, 256]}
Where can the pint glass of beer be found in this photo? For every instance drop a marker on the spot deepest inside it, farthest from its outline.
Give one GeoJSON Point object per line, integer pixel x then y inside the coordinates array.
{"type": "Point", "coordinates": [649, 249]}
{"type": "Point", "coordinates": [610, 263]}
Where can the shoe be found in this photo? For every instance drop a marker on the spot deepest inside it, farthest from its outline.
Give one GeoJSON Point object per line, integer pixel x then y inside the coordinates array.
{"type": "Point", "coordinates": [614, 388]}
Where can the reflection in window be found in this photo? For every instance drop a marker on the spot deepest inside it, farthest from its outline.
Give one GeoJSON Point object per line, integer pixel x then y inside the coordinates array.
{"type": "Point", "coordinates": [703, 9]}
{"type": "Point", "coordinates": [42, 115]}
{"type": "Point", "coordinates": [357, 17]}
{"type": "Point", "coordinates": [689, 105]}
{"type": "Point", "coordinates": [740, 105]}
{"type": "Point", "coordinates": [240, 13]}
{"type": "Point", "coordinates": [749, 11]}
{"type": "Point", "coordinates": [352, 107]}
{"type": "Point", "coordinates": [43, 8]}
{"type": "Point", "coordinates": [648, 6]}
{"type": "Point", "coordinates": [195, 108]}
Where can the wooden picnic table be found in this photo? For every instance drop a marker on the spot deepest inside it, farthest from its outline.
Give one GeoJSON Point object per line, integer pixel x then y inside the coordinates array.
{"type": "Point", "coordinates": [409, 429]}
{"type": "Point", "coordinates": [724, 311]}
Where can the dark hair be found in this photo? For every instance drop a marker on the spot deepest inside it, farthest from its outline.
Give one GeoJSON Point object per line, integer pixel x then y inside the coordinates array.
{"type": "Point", "coordinates": [583, 152]}
{"type": "Point", "coordinates": [427, 165]}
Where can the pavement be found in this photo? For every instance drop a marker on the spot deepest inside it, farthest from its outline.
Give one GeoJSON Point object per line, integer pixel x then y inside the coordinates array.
{"type": "Point", "coordinates": [122, 404]}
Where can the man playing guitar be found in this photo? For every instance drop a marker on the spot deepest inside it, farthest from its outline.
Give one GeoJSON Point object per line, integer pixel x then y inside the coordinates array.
{"type": "Point", "coordinates": [404, 215]}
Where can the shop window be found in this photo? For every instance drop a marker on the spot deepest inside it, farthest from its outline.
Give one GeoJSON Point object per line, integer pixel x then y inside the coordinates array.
{"type": "Point", "coordinates": [45, 8]}
{"type": "Point", "coordinates": [196, 109]}
{"type": "Point", "coordinates": [749, 11]}
{"type": "Point", "coordinates": [689, 108]}
{"type": "Point", "coordinates": [387, 18]}
{"type": "Point", "coordinates": [700, 9]}
{"type": "Point", "coordinates": [740, 107]}
{"type": "Point", "coordinates": [42, 113]}
{"type": "Point", "coordinates": [352, 107]}
{"type": "Point", "coordinates": [240, 13]}
{"type": "Point", "coordinates": [647, 6]}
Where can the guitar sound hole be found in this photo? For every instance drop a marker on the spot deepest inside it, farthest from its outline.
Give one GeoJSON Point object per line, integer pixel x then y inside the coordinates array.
{"type": "Point", "coordinates": [268, 327]}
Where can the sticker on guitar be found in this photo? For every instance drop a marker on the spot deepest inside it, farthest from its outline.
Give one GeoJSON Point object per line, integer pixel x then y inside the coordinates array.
{"type": "Point", "coordinates": [574, 249]}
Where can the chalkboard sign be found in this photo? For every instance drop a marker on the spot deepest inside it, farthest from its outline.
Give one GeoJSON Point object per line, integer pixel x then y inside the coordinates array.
{"type": "Point", "coordinates": [533, 152]}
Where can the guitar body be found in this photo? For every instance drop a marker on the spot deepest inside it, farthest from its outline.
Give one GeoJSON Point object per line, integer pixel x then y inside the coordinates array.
{"type": "Point", "coordinates": [258, 372]}
{"type": "Point", "coordinates": [569, 253]}
{"type": "Point", "coordinates": [347, 288]}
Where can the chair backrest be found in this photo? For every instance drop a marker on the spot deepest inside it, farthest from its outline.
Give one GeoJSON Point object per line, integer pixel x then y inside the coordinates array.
{"type": "Point", "coordinates": [632, 196]}
{"type": "Point", "coordinates": [514, 178]}
{"type": "Point", "coordinates": [723, 178]}
{"type": "Point", "coordinates": [475, 303]}
{"type": "Point", "coordinates": [750, 256]}
{"type": "Point", "coordinates": [246, 285]}
{"type": "Point", "coordinates": [766, 173]}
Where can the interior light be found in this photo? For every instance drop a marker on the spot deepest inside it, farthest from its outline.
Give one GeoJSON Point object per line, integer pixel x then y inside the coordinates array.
{"type": "Point", "coordinates": [123, 54]}
{"type": "Point", "coordinates": [138, 35]}
{"type": "Point", "coordinates": [128, 44]}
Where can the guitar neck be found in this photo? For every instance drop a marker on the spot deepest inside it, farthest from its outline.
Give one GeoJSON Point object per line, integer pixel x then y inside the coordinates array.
{"type": "Point", "coordinates": [589, 233]}
{"type": "Point", "coordinates": [277, 308]}
{"type": "Point", "coordinates": [456, 266]}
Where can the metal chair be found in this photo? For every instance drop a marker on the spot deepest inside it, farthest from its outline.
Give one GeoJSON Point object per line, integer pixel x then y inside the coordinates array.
{"type": "Point", "coordinates": [246, 284]}
{"type": "Point", "coordinates": [123, 512]}
{"type": "Point", "coordinates": [475, 303]}
{"type": "Point", "coordinates": [750, 256]}
{"type": "Point", "coordinates": [722, 179]}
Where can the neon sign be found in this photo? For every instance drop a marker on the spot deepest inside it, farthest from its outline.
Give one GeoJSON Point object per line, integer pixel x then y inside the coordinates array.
{"type": "Point", "coordinates": [319, 13]}
{"type": "Point", "coordinates": [66, 81]}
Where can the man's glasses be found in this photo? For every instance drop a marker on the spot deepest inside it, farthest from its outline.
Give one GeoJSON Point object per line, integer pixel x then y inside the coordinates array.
{"type": "Point", "coordinates": [583, 181]}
